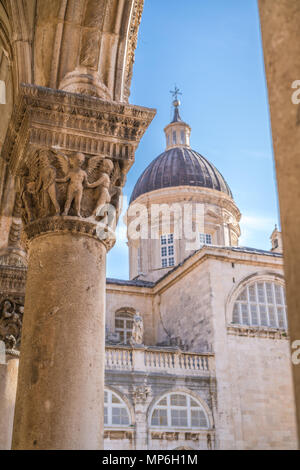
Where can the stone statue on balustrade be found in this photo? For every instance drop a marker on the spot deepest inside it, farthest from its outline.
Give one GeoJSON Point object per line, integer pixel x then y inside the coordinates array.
{"type": "Point", "coordinates": [137, 331]}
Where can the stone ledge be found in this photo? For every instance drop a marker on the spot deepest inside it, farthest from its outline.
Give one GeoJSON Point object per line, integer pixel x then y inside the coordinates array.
{"type": "Point", "coordinates": [260, 332]}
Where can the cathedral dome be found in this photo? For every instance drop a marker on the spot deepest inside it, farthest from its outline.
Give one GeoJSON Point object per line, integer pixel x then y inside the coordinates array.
{"type": "Point", "coordinates": [180, 166]}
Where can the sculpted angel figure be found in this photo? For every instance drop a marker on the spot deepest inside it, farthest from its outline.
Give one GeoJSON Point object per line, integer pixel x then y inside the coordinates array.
{"type": "Point", "coordinates": [79, 178]}
{"type": "Point", "coordinates": [76, 177]}
{"type": "Point", "coordinates": [46, 182]}
{"type": "Point", "coordinates": [106, 168]}
{"type": "Point", "coordinates": [26, 189]}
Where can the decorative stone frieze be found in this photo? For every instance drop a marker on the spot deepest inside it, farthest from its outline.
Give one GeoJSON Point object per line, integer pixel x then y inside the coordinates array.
{"type": "Point", "coordinates": [168, 436]}
{"type": "Point", "coordinates": [118, 435]}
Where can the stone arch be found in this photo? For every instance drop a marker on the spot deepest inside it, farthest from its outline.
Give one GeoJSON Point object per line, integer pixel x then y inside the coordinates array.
{"type": "Point", "coordinates": [126, 400]}
{"type": "Point", "coordinates": [186, 391]}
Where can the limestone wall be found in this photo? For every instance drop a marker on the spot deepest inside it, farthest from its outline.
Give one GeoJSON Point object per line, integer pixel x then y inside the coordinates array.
{"type": "Point", "coordinates": [186, 310]}
{"type": "Point", "coordinates": [142, 302]}
{"type": "Point", "coordinates": [255, 395]}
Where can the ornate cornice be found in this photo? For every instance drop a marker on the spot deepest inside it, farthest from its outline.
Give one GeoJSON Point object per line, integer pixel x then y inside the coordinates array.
{"type": "Point", "coordinates": [76, 123]}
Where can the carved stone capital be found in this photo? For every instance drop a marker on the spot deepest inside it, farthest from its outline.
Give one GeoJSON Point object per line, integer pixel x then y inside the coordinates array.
{"type": "Point", "coordinates": [71, 154]}
{"type": "Point", "coordinates": [140, 394]}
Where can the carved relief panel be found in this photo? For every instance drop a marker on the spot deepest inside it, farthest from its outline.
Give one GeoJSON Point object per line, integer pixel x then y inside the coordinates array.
{"type": "Point", "coordinates": [53, 183]}
{"type": "Point", "coordinates": [11, 317]}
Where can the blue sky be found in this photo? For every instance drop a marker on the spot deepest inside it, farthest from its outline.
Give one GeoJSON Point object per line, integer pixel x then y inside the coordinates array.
{"type": "Point", "coordinates": [212, 51]}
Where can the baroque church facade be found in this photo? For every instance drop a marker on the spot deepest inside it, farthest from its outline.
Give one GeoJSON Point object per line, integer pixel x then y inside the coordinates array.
{"type": "Point", "coordinates": [213, 368]}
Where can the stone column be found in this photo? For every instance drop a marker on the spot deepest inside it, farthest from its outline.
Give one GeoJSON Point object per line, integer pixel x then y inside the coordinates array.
{"type": "Point", "coordinates": [8, 387]}
{"type": "Point", "coordinates": [141, 396]}
{"type": "Point", "coordinates": [280, 21]}
{"type": "Point", "coordinates": [70, 154]}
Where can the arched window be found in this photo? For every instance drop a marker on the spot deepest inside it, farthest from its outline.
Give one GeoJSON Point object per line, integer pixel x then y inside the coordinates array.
{"type": "Point", "coordinates": [115, 410]}
{"type": "Point", "coordinates": [261, 304]}
{"type": "Point", "coordinates": [123, 325]}
{"type": "Point", "coordinates": [179, 410]}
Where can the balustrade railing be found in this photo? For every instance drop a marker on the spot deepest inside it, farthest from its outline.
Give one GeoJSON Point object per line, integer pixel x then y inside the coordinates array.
{"type": "Point", "coordinates": [126, 358]}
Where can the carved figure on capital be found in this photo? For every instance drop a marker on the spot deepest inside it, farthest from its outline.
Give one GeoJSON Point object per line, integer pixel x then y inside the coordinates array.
{"type": "Point", "coordinates": [52, 183]}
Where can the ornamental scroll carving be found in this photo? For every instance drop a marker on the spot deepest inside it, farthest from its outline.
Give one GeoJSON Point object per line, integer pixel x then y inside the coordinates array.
{"type": "Point", "coordinates": [140, 393]}
{"type": "Point", "coordinates": [52, 183]}
{"type": "Point", "coordinates": [11, 317]}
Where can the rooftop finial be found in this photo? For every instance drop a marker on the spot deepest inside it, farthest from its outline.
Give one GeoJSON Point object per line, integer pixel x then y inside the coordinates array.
{"type": "Point", "coordinates": [176, 103]}
{"type": "Point", "coordinates": [175, 94]}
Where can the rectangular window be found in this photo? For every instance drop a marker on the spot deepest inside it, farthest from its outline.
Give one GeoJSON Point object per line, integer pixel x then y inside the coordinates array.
{"type": "Point", "coordinates": [182, 136]}
{"type": "Point", "coordinates": [205, 239]}
{"type": "Point", "coordinates": [167, 250]}
{"type": "Point", "coordinates": [171, 250]}
{"type": "Point", "coordinates": [174, 138]}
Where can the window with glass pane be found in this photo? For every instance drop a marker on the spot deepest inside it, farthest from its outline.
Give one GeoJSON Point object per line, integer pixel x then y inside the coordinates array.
{"type": "Point", "coordinates": [124, 325]}
{"type": "Point", "coordinates": [182, 137]}
{"type": "Point", "coordinates": [179, 411]}
{"type": "Point", "coordinates": [261, 304]}
{"type": "Point", "coordinates": [115, 410]}
{"type": "Point", "coordinates": [205, 239]}
{"type": "Point", "coordinates": [174, 137]}
{"type": "Point", "coordinates": [167, 250]}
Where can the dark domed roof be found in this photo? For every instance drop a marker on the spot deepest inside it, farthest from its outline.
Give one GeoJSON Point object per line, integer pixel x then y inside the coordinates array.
{"type": "Point", "coordinates": [180, 166]}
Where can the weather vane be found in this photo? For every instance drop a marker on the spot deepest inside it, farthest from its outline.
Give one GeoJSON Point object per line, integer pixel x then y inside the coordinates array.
{"type": "Point", "coordinates": [175, 93]}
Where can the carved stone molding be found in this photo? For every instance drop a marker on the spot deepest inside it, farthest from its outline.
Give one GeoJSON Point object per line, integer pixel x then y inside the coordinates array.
{"type": "Point", "coordinates": [132, 43]}
{"type": "Point", "coordinates": [257, 331]}
{"type": "Point", "coordinates": [73, 225]}
{"type": "Point", "coordinates": [168, 436]}
{"type": "Point", "coordinates": [118, 435]}
{"type": "Point", "coordinates": [71, 154]}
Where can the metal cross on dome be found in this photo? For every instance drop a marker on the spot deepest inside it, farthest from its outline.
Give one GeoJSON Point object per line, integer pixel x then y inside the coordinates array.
{"type": "Point", "coordinates": [175, 93]}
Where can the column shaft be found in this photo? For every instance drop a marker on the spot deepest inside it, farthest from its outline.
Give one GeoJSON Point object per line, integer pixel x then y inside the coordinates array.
{"type": "Point", "coordinates": [62, 354]}
{"type": "Point", "coordinates": [8, 387]}
{"type": "Point", "coordinates": [281, 42]}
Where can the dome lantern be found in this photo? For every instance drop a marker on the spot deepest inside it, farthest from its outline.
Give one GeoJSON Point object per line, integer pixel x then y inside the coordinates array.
{"type": "Point", "coordinates": [177, 132]}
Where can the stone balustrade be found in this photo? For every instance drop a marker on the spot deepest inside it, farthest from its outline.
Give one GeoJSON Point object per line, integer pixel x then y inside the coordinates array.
{"type": "Point", "coordinates": [155, 360]}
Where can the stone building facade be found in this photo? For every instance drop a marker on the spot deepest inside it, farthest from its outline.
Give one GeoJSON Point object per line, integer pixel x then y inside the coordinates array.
{"type": "Point", "coordinates": [215, 328]}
